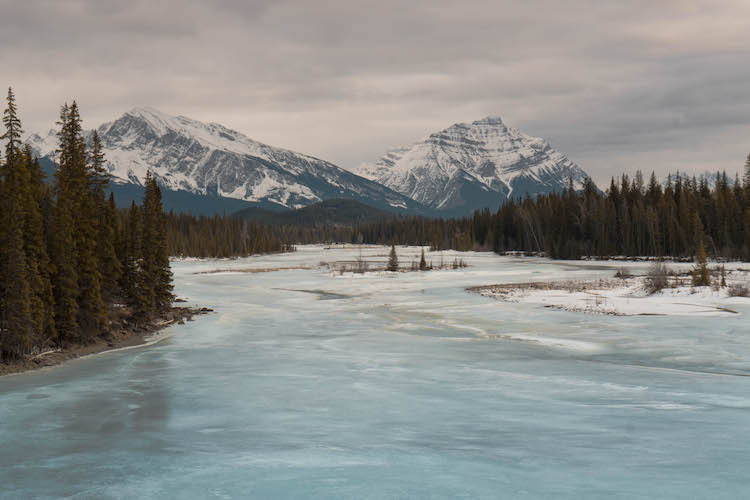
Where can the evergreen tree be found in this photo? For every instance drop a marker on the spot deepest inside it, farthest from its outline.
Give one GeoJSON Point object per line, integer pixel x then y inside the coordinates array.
{"type": "Point", "coordinates": [16, 325]}
{"type": "Point", "coordinates": [107, 244]}
{"type": "Point", "coordinates": [33, 193]}
{"type": "Point", "coordinates": [65, 277]}
{"type": "Point", "coordinates": [64, 251]}
{"type": "Point", "coordinates": [393, 260]}
{"type": "Point", "coordinates": [422, 262]}
{"type": "Point", "coordinates": [16, 320]}
{"type": "Point", "coordinates": [106, 224]}
{"type": "Point", "coordinates": [131, 258]}
{"type": "Point", "coordinates": [92, 314]}
{"type": "Point", "coordinates": [701, 274]}
{"type": "Point", "coordinates": [156, 270]}
{"type": "Point", "coordinates": [99, 176]}
{"type": "Point", "coordinates": [13, 130]}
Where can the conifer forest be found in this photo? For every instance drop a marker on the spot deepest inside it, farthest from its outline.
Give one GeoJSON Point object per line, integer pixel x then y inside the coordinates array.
{"type": "Point", "coordinates": [632, 218]}
{"type": "Point", "coordinates": [69, 257]}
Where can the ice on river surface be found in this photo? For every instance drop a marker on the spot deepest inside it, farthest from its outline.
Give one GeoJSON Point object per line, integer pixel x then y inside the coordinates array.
{"type": "Point", "coordinates": [306, 384]}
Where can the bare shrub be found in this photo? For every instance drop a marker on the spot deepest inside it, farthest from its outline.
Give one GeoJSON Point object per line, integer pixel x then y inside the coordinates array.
{"type": "Point", "coordinates": [738, 290]}
{"type": "Point", "coordinates": [361, 266]}
{"type": "Point", "coordinates": [459, 263]}
{"type": "Point", "coordinates": [657, 277]}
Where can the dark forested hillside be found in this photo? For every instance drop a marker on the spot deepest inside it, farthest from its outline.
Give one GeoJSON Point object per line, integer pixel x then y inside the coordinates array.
{"type": "Point", "coordinates": [336, 212]}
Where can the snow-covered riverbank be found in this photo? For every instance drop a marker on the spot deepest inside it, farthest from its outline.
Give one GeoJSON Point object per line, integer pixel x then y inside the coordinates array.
{"type": "Point", "coordinates": [628, 296]}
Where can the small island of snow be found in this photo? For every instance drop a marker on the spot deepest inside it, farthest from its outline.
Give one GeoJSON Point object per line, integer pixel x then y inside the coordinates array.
{"type": "Point", "coordinates": [630, 295]}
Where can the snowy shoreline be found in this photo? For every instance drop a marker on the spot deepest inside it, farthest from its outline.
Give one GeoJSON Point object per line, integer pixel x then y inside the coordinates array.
{"type": "Point", "coordinates": [120, 340]}
{"type": "Point", "coordinates": [627, 296]}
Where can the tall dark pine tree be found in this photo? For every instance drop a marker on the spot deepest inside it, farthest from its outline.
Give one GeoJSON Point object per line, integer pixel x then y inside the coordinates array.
{"type": "Point", "coordinates": [98, 174]}
{"type": "Point", "coordinates": [131, 258]}
{"type": "Point", "coordinates": [16, 321]}
{"type": "Point", "coordinates": [34, 198]}
{"type": "Point", "coordinates": [92, 314]}
{"type": "Point", "coordinates": [104, 221]}
{"type": "Point", "coordinates": [63, 242]}
{"type": "Point", "coordinates": [155, 268]}
{"type": "Point", "coordinates": [80, 309]}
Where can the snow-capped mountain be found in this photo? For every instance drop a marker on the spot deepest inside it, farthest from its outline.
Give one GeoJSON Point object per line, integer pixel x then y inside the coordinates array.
{"type": "Point", "coordinates": [470, 166]}
{"type": "Point", "coordinates": [209, 159]}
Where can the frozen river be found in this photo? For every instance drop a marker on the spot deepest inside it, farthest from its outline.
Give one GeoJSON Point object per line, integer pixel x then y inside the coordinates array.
{"type": "Point", "coordinates": [308, 385]}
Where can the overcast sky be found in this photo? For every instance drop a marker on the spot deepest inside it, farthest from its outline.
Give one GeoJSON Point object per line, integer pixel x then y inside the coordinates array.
{"type": "Point", "coordinates": [615, 85]}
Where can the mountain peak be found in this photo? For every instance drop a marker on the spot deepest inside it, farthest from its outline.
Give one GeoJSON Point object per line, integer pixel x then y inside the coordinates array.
{"type": "Point", "coordinates": [476, 165]}
{"type": "Point", "coordinates": [145, 110]}
{"type": "Point", "coordinates": [490, 120]}
{"type": "Point", "coordinates": [159, 121]}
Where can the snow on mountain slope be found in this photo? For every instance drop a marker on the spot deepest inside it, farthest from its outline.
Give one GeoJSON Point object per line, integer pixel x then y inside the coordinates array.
{"type": "Point", "coordinates": [470, 166]}
{"type": "Point", "coordinates": [210, 159]}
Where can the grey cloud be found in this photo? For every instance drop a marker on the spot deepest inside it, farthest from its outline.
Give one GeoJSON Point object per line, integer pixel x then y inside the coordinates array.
{"type": "Point", "coordinates": [615, 85]}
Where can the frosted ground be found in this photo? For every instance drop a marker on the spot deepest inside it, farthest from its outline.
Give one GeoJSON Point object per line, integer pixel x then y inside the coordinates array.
{"type": "Point", "coordinates": [309, 384]}
{"type": "Point", "coordinates": [630, 296]}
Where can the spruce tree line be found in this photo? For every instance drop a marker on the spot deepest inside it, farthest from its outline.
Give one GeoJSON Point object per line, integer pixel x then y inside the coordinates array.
{"type": "Point", "coordinates": [631, 218]}
{"type": "Point", "coordinates": [221, 237]}
{"type": "Point", "coordinates": [67, 257]}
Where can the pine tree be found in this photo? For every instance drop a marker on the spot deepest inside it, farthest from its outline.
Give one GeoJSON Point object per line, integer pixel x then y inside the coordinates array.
{"type": "Point", "coordinates": [99, 176]}
{"type": "Point", "coordinates": [63, 242]}
{"type": "Point", "coordinates": [422, 262]}
{"type": "Point", "coordinates": [13, 130]}
{"type": "Point", "coordinates": [746, 175]}
{"type": "Point", "coordinates": [107, 224]}
{"type": "Point", "coordinates": [92, 314]}
{"type": "Point", "coordinates": [131, 281]}
{"type": "Point", "coordinates": [393, 259]}
{"type": "Point", "coordinates": [701, 275]}
{"type": "Point", "coordinates": [16, 325]}
{"type": "Point", "coordinates": [65, 277]}
{"type": "Point", "coordinates": [16, 320]}
{"type": "Point", "coordinates": [157, 273]}
{"type": "Point", "coordinates": [33, 194]}
{"type": "Point", "coordinates": [107, 244]}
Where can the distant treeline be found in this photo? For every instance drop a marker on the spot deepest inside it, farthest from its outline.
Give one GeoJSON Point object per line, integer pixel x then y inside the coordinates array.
{"type": "Point", "coordinates": [631, 218]}
{"type": "Point", "coordinates": [67, 259]}
{"type": "Point", "coordinates": [209, 237]}
{"type": "Point", "coordinates": [441, 234]}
